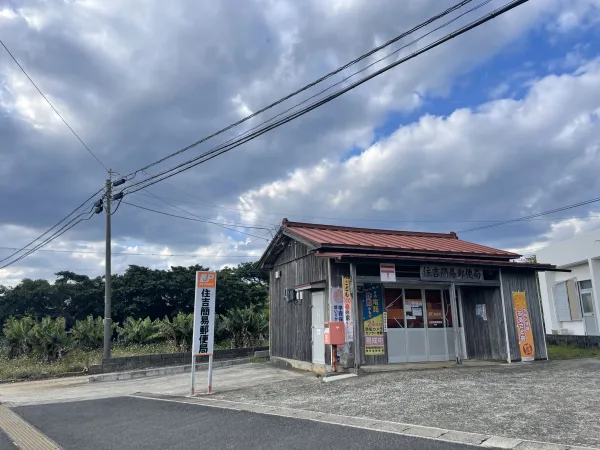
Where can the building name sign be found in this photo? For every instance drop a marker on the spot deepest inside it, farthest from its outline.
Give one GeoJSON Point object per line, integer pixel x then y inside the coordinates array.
{"type": "Point", "coordinates": [463, 274]}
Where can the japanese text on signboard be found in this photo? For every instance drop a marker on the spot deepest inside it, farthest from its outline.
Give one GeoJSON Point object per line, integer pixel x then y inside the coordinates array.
{"type": "Point", "coordinates": [451, 273]}
{"type": "Point", "coordinates": [348, 324]}
{"type": "Point", "coordinates": [204, 313]}
{"type": "Point", "coordinates": [524, 330]}
{"type": "Point", "coordinates": [337, 305]}
{"type": "Point", "coordinates": [373, 319]}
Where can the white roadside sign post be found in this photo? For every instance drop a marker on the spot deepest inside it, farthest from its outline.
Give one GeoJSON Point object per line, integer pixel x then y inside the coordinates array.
{"type": "Point", "coordinates": [204, 322]}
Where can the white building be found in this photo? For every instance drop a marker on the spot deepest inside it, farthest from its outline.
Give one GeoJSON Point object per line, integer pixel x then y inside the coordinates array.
{"type": "Point", "coordinates": [570, 300]}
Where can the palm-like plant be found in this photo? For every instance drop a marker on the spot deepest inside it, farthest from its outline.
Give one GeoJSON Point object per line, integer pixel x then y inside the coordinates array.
{"type": "Point", "coordinates": [244, 326]}
{"type": "Point", "coordinates": [49, 338]}
{"type": "Point", "coordinates": [180, 330]}
{"type": "Point", "coordinates": [140, 331]}
{"type": "Point", "coordinates": [17, 335]}
{"type": "Point", "coordinates": [89, 333]}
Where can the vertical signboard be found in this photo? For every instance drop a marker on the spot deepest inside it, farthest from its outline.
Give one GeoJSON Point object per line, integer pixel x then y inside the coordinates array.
{"type": "Point", "coordinates": [204, 322]}
{"type": "Point", "coordinates": [373, 319]}
{"type": "Point", "coordinates": [337, 304]}
{"type": "Point", "coordinates": [524, 332]}
{"type": "Point", "coordinates": [347, 293]}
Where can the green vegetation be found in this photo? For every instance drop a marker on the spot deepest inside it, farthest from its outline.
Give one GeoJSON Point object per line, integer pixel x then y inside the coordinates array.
{"type": "Point", "coordinates": [51, 329]}
{"type": "Point", "coordinates": [571, 352]}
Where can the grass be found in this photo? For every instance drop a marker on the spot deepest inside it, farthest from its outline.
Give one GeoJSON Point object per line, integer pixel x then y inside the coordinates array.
{"type": "Point", "coordinates": [30, 367]}
{"type": "Point", "coordinates": [571, 352]}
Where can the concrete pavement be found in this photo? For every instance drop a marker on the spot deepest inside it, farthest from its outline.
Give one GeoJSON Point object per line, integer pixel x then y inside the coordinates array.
{"type": "Point", "coordinates": [68, 389]}
{"type": "Point", "coordinates": [135, 423]}
{"type": "Point", "coordinates": [555, 401]}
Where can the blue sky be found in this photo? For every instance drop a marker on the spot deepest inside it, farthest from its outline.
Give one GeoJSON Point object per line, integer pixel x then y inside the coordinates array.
{"type": "Point", "coordinates": [497, 124]}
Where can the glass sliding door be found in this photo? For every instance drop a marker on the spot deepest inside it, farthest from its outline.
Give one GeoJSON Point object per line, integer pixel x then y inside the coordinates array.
{"type": "Point", "coordinates": [436, 332]}
{"type": "Point", "coordinates": [416, 334]}
{"type": "Point", "coordinates": [396, 328]}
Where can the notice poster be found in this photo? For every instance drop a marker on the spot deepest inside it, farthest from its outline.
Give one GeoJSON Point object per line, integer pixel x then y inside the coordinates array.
{"type": "Point", "coordinates": [337, 305]}
{"type": "Point", "coordinates": [373, 319]}
{"type": "Point", "coordinates": [347, 293]}
{"type": "Point", "coordinates": [524, 331]}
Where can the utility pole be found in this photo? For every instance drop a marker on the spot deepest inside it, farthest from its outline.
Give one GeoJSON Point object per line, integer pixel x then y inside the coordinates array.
{"type": "Point", "coordinates": [107, 275]}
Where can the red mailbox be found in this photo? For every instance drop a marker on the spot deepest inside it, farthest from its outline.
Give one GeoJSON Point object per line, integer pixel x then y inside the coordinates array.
{"type": "Point", "coordinates": [335, 333]}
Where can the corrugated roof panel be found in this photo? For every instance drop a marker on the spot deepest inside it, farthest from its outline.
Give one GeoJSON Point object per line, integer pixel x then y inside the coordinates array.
{"type": "Point", "coordinates": [324, 235]}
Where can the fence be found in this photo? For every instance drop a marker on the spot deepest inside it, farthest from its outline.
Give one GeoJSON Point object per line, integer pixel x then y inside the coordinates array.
{"type": "Point", "coordinates": [167, 359]}
{"type": "Point", "coordinates": [576, 341]}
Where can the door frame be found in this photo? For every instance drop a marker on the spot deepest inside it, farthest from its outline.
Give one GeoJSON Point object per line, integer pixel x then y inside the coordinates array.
{"type": "Point", "coordinates": [422, 288]}
{"type": "Point", "coordinates": [322, 327]}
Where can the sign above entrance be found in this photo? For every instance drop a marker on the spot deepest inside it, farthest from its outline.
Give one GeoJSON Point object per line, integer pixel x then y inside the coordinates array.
{"type": "Point", "coordinates": [387, 272]}
{"type": "Point", "coordinates": [451, 273]}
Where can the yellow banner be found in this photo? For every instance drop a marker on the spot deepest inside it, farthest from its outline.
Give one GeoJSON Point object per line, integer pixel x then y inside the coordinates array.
{"type": "Point", "coordinates": [524, 332]}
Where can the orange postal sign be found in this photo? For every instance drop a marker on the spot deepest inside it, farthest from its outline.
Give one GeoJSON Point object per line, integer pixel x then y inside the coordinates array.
{"type": "Point", "coordinates": [524, 332]}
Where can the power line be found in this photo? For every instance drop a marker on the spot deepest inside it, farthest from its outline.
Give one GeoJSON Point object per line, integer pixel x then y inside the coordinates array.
{"type": "Point", "coordinates": [205, 219]}
{"type": "Point", "coordinates": [55, 225]}
{"type": "Point", "coordinates": [190, 255]}
{"type": "Point", "coordinates": [189, 218]}
{"type": "Point", "coordinates": [531, 216]}
{"type": "Point", "coordinates": [359, 219]}
{"type": "Point", "coordinates": [52, 106]}
{"type": "Point", "coordinates": [308, 86]}
{"type": "Point", "coordinates": [57, 234]}
{"type": "Point", "coordinates": [225, 148]}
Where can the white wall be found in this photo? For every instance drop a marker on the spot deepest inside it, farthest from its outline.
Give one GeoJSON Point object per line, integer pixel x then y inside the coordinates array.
{"type": "Point", "coordinates": [581, 255]}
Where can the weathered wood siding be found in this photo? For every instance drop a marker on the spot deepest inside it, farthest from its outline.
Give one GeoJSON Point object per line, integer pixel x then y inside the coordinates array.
{"type": "Point", "coordinates": [290, 324]}
{"type": "Point", "coordinates": [524, 281]}
{"type": "Point", "coordinates": [485, 339]}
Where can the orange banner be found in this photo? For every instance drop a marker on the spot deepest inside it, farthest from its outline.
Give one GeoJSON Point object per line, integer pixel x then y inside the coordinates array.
{"type": "Point", "coordinates": [524, 332]}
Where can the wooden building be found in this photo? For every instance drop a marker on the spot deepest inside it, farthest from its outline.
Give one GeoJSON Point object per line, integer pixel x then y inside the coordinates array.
{"type": "Point", "coordinates": [403, 297]}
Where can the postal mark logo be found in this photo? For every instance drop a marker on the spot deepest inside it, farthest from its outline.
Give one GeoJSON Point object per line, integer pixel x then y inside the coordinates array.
{"type": "Point", "coordinates": [207, 280]}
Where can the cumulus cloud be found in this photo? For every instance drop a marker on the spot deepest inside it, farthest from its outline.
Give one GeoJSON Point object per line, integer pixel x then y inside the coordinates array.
{"type": "Point", "coordinates": [503, 159]}
{"type": "Point", "coordinates": [138, 82]}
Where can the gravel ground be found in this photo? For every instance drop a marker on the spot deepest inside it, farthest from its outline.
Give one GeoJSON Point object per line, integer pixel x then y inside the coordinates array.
{"type": "Point", "coordinates": [555, 401]}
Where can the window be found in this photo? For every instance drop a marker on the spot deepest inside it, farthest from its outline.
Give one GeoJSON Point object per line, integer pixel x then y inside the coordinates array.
{"type": "Point", "coordinates": [435, 313]}
{"type": "Point", "coordinates": [414, 308]}
{"type": "Point", "coordinates": [587, 298]}
{"type": "Point", "coordinates": [394, 307]}
{"type": "Point", "coordinates": [566, 301]}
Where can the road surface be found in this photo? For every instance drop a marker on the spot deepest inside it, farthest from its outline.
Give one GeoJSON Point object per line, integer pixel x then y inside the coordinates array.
{"type": "Point", "coordinates": [134, 423]}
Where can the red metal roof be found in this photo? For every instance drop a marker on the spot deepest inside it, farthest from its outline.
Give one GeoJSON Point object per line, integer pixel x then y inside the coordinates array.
{"type": "Point", "coordinates": [393, 240]}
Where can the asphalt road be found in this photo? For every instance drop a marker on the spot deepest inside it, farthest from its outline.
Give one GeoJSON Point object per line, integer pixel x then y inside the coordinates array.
{"type": "Point", "coordinates": [5, 442]}
{"type": "Point", "coordinates": [134, 423]}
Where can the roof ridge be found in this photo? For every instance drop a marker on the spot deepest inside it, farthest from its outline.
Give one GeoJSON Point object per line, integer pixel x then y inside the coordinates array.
{"type": "Point", "coordinates": [287, 224]}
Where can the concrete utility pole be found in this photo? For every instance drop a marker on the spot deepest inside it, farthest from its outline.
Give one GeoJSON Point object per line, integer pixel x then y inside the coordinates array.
{"type": "Point", "coordinates": [107, 275]}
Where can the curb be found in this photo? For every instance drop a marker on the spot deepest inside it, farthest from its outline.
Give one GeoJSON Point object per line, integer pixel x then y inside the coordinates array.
{"type": "Point", "coordinates": [438, 434]}
{"type": "Point", "coordinates": [162, 371]}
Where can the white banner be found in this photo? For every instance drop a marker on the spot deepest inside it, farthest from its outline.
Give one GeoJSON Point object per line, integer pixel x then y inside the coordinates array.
{"type": "Point", "coordinates": [348, 324]}
{"type": "Point", "coordinates": [204, 313]}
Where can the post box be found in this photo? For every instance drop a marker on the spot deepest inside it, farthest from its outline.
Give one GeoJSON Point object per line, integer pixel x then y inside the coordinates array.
{"type": "Point", "coordinates": [334, 333]}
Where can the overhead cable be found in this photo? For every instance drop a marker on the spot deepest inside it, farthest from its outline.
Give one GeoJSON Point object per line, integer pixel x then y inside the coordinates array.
{"type": "Point", "coordinates": [308, 86]}
{"type": "Point", "coordinates": [225, 148]}
{"type": "Point", "coordinates": [53, 108]}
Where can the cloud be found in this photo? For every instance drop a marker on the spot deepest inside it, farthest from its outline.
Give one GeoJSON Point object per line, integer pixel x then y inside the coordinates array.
{"type": "Point", "coordinates": [502, 159]}
{"type": "Point", "coordinates": [137, 83]}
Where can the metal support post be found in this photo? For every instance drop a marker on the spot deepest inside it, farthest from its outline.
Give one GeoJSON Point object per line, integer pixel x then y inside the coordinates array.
{"type": "Point", "coordinates": [210, 368]}
{"type": "Point", "coordinates": [107, 276]}
{"type": "Point", "coordinates": [193, 374]}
